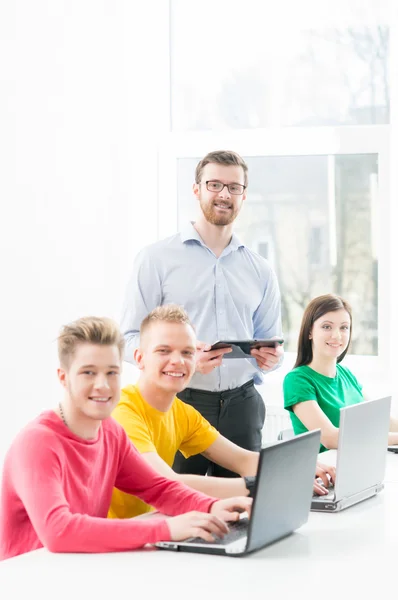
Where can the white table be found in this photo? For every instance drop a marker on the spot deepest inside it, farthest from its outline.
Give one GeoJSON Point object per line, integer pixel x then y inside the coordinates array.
{"type": "Point", "coordinates": [346, 555]}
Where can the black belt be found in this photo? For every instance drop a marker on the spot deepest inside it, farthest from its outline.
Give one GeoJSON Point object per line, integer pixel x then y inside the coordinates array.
{"type": "Point", "coordinates": [223, 393]}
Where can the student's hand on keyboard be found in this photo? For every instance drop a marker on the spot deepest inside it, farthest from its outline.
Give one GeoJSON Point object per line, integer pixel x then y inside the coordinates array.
{"type": "Point", "coordinates": [319, 488]}
{"type": "Point", "coordinates": [196, 524]}
{"type": "Point", "coordinates": [230, 509]}
{"type": "Point", "coordinates": [325, 475]}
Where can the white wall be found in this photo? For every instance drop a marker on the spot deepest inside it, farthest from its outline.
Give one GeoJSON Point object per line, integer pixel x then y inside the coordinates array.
{"type": "Point", "coordinates": [83, 97]}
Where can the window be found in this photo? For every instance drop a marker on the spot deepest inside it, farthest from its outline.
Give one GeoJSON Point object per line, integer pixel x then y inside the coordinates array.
{"type": "Point", "coordinates": [315, 247]}
{"type": "Point", "coordinates": [263, 250]}
{"type": "Point", "coordinates": [303, 93]}
{"type": "Point", "coordinates": [244, 69]}
{"type": "Point", "coordinates": [314, 203]}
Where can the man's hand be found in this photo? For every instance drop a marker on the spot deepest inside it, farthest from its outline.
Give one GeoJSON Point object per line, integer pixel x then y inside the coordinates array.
{"type": "Point", "coordinates": [196, 524]}
{"type": "Point", "coordinates": [326, 475]}
{"type": "Point", "coordinates": [206, 359]}
{"type": "Point", "coordinates": [267, 358]}
{"type": "Point", "coordinates": [231, 508]}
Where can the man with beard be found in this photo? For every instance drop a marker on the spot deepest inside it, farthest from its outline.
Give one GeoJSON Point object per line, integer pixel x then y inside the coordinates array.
{"type": "Point", "coordinates": [228, 291]}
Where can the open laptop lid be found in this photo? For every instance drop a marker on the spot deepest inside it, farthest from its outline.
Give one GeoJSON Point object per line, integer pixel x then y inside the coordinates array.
{"type": "Point", "coordinates": [362, 447]}
{"type": "Point", "coordinates": [284, 486]}
{"type": "Point", "coordinates": [282, 497]}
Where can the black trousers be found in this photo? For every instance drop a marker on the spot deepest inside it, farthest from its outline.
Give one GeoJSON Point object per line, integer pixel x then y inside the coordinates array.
{"type": "Point", "coordinates": [237, 414]}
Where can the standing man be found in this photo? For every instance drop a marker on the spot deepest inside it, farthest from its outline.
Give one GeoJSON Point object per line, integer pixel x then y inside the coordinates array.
{"type": "Point", "coordinates": [228, 291]}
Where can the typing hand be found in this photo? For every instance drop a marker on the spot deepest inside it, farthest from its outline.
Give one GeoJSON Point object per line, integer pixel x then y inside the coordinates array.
{"type": "Point", "coordinates": [326, 473]}
{"type": "Point", "coordinates": [230, 509]}
{"type": "Point", "coordinates": [206, 359]}
{"type": "Point", "coordinates": [325, 476]}
{"type": "Point", "coordinates": [267, 358]}
{"type": "Point", "coordinates": [319, 488]}
{"type": "Point", "coordinates": [196, 524]}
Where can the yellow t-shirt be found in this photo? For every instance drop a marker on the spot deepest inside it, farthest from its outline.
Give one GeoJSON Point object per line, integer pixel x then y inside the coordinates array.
{"type": "Point", "coordinates": [180, 428]}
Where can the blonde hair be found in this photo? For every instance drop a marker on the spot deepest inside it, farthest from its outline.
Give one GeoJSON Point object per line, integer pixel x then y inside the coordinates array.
{"type": "Point", "coordinates": [168, 313]}
{"type": "Point", "coordinates": [88, 330]}
{"type": "Point", "coordinates": [221, 157]}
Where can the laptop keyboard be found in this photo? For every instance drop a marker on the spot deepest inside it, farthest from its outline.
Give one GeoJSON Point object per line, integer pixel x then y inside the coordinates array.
{"type": "Point", "coordinates": [237, 530]}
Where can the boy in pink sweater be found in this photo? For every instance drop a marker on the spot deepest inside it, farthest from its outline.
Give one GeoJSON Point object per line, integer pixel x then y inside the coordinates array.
{"type": "Point", "coordinates": [61, 469]}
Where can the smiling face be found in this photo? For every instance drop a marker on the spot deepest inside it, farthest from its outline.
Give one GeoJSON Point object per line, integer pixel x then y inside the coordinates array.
{"type": "Point", "coordinates": [330, 334]}
{"type": "Point", "coordinates": [92, 380]}
{"type": "Point", "coordinates": [166, 357]}
{"type": "Point", "coordinates": [220, 208]}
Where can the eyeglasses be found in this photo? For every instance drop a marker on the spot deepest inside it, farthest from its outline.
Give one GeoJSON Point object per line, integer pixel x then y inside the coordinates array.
{"type": "Point", "coordinates": [236, 189]}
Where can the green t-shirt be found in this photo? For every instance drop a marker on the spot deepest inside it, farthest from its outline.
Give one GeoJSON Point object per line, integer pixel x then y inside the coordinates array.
{"type": "Point", "coordinates": [331, 393]}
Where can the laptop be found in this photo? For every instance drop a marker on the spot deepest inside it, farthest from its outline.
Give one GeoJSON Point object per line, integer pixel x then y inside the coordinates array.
{"type": "Point", "coordinates": [281, 500]}
{"type": "Point", "coordinates": [361, 455]}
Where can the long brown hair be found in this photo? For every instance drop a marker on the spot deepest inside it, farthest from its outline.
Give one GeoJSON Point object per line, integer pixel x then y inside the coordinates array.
{"type": "Point", "coordinates": [315, 310]}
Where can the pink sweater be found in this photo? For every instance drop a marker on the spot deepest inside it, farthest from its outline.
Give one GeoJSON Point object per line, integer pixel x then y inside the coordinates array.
{"type": "Point", "coordinates": [57, 488]}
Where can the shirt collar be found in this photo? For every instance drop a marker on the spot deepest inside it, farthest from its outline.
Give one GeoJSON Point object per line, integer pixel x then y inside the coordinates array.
{"type": "Point", "coordinates": [189, 233]}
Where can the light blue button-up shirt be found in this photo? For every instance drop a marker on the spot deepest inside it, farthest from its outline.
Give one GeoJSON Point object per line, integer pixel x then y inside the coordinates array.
{"type": "Point", "coordinates": [235, 296]}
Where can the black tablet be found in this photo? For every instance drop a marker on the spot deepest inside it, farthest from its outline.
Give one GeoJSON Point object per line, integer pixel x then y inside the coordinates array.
{"type": "Point", "coordinates": [242, 348]}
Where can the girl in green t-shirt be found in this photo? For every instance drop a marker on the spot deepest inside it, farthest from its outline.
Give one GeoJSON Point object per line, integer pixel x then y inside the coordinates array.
{"type": "Point", "coordinates": [319, 386]}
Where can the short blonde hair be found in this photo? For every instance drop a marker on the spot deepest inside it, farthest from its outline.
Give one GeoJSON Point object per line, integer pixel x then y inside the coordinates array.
{"type": "Point", "coordinates": [88, 330]}
{"type": "Point", "coordinates": [168, 313]}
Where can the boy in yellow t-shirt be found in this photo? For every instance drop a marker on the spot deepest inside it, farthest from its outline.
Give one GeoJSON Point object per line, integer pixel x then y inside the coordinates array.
{"type": "Point", "coordinates": [159, 424]}
{"type": "Point", "coordinates": [159, 433]}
